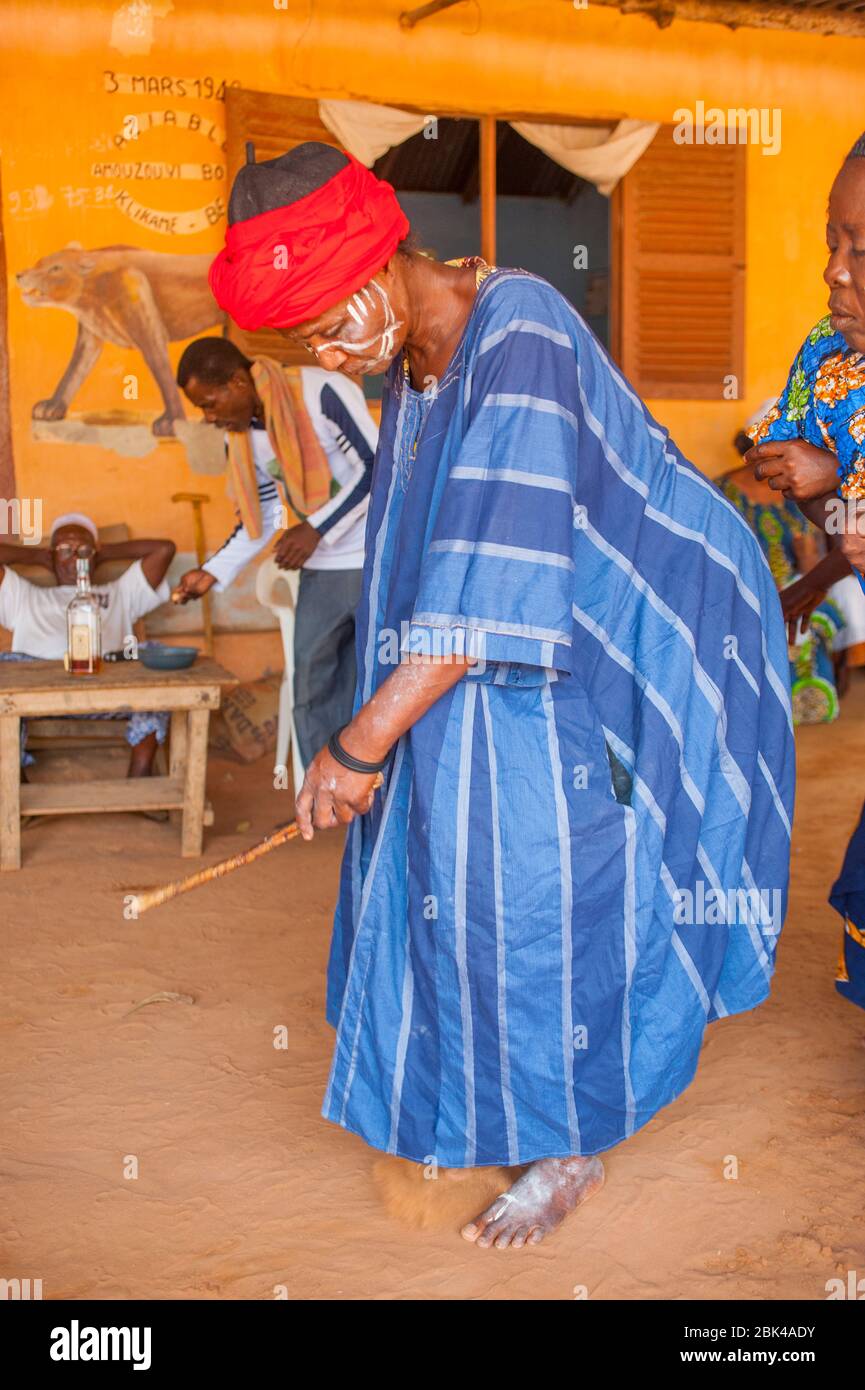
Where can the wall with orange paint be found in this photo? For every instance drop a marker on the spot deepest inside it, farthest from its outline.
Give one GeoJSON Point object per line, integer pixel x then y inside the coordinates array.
{"type": "Point", "coordinates": [73, 73]}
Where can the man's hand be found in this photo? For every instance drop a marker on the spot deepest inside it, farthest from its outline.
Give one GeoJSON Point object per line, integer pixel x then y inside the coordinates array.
{"type": "Point", "coordinates": [332, 795]}
{"type": "Point", "coordinates": [798, 602]}
{"type": "Point", "coordinates": [296, 545]}
{"type": "Point", "coordinates": [792, 466]}
{"type": "Point", "coordinates": [193, 584]}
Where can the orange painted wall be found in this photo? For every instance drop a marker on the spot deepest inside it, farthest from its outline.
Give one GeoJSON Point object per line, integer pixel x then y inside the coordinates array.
{"type": "Point", "coordinates": [64, 98]}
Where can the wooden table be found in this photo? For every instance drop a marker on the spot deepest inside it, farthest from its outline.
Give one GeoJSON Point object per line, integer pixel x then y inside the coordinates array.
{"type": "Point", "coordinates": [43, 689]}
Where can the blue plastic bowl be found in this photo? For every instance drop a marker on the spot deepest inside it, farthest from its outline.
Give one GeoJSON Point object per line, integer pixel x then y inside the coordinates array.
{"type": "Point", "coordinates": [162, 658]}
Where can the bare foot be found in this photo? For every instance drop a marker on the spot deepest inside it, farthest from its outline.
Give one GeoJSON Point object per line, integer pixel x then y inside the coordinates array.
{"type": "Point", "coordinates": [537, 1203]}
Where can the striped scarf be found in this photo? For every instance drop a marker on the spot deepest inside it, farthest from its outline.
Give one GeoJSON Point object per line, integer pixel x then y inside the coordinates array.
{"type": "Point", "coordinates": [304, 479]}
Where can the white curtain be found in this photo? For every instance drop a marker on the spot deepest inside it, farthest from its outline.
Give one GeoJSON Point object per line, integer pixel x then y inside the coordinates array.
{"type": "Point", "coordinates": [367, 131]}
{"type": "Point", "coordinates": [600, 154]}
{"type": "Point", "coordinates": [596, 153]}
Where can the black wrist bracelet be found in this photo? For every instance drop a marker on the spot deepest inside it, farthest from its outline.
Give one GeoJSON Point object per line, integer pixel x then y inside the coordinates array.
{"type": "Point", "coordinates": [336, 750]}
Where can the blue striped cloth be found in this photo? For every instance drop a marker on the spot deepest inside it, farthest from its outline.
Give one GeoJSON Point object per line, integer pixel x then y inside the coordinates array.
{"type": "Point", "coordinates": [560, 882]}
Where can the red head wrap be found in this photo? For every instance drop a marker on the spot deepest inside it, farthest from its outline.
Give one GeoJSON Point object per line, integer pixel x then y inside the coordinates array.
{"type": "Point", "coordinates": [290, 264]}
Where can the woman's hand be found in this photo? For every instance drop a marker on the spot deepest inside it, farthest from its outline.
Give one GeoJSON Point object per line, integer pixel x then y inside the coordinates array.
{"type": "Point", "coordinates": [799, 470]}
{"type": "Point", "coordinates": [798, 602]}
{"type": "Point", "coordinates": [332, 795]}
{"type": "Point", "coordinates": [851, 541]}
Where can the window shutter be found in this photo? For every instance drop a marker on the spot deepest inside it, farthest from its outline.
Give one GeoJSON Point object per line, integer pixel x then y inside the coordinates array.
{"type": "Point", "coordinates": [275, 124]}
{"type": "Point", "coordinates": [680, 234]}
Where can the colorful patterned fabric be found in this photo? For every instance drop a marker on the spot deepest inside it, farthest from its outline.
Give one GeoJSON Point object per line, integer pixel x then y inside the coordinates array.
{"type": "Point", "coordinates": [812, 671]}
{"type": "Point", "coordinates": [824, 403]}
{"type": "Point", "coordinates": [304, 476]}
{"type": "Point", "coordinates": [557, 885]}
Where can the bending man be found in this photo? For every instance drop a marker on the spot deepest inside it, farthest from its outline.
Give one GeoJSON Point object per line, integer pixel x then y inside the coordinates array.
{"type": "Point", "coordinates": [300, 441]}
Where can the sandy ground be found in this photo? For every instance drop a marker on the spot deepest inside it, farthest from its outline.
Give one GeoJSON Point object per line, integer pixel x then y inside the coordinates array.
{"type": "Point", "coordinates": [242, 1189]}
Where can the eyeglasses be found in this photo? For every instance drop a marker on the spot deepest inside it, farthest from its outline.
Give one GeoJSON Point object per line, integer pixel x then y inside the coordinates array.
{"type": "Point", "coordinates": [67, 551]}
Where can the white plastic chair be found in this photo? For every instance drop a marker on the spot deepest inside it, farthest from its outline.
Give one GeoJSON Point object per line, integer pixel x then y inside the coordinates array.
{"type": "Point", "coordinates": [277, 590]}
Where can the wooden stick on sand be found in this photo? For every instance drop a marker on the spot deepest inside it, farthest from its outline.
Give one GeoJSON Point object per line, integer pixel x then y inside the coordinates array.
{"type": "Point", "coordinates": [155, 897]}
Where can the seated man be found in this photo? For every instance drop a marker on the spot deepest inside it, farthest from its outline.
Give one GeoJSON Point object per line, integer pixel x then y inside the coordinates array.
{"type": "Point", "coordinates": [37, 616]}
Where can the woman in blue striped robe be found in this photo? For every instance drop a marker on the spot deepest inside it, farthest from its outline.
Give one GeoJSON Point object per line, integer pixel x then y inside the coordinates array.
{"type": "Point", "coordinates": [579, 853]}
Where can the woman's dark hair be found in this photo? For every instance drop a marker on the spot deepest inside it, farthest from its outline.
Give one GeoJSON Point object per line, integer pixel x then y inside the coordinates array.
{"type": "Point", "coordinates": [742, 443]}
{"type": "Point", "coordinates": [212, 360]}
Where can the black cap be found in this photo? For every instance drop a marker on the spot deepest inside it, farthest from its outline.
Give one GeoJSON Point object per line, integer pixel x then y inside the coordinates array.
{"type": "Point", "coordinates": [275, 183]}
{"type": "Point", "coordinates": [858, 150]}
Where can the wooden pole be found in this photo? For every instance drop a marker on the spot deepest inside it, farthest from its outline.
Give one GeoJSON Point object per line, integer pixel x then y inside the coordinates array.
{"type": "Point", "coordinates": [7, 461]}
{"type": "Point", "coordinates": [488, 188]}
{"type": "Point", "coordinates": [750, 14]}
{"type": "Point", "coordinates": [207, 600]}
{"type": "Point", "coordinates": [198, 499]}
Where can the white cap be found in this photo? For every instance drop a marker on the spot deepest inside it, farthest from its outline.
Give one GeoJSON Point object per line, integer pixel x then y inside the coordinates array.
{"type": "Point", "coordinates": [75, 519]}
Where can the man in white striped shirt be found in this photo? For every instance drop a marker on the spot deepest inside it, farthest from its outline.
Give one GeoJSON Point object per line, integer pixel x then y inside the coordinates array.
{"type": "Point", "coordinates": [327, 547]}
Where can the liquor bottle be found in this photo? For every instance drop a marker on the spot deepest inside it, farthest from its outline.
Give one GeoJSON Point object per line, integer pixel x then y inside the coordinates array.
{"type": "Point", "coordinates": [84, 627]}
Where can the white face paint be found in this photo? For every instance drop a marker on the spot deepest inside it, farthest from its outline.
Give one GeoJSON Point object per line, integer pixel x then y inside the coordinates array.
{"type": "Point", "coordinates": [358, 308]}
{"type": "Point", "coordinates": [391, 326]}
